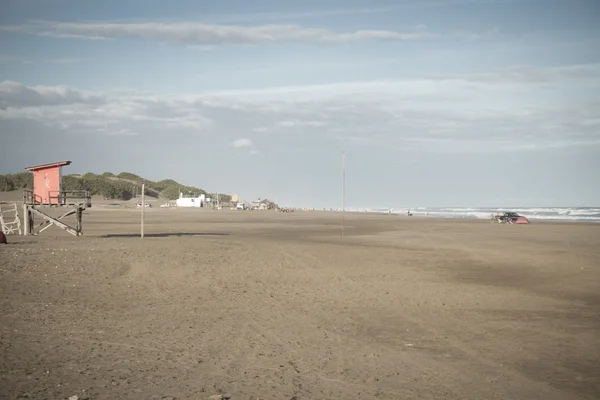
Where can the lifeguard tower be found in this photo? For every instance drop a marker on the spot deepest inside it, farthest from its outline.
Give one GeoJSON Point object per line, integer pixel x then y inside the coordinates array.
{"type": "Point", "coordinates": [47, 192]}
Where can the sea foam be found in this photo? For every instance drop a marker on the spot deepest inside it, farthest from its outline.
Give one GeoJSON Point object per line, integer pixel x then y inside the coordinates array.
{"type": "Point", "coordinates": [571, 214]}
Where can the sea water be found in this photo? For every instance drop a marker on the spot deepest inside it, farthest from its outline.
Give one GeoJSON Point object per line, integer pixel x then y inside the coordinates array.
{"type": "Point", "coordinates": [567, 214]}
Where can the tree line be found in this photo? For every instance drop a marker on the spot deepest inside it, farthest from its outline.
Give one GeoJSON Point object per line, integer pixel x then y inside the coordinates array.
{"type": "Point", "coordinates": [123, 186]}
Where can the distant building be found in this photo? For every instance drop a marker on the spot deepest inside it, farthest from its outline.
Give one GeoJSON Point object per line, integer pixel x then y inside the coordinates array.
{"type": "Point", "coordinates": [263, 204]}
{"type": "Point", "coordinates": [190, 201]}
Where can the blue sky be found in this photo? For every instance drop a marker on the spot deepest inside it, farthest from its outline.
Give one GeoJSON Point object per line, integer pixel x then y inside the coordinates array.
{"type": "Point", "coordinates": [436, 102]}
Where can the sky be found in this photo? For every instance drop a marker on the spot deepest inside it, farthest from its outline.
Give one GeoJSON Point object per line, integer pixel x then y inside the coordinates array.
{"type": "Point", "coordinates": [465, 103]}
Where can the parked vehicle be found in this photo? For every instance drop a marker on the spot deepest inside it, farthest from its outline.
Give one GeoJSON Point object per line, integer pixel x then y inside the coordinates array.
{"type": "Point", "coordinates": [505, 218]}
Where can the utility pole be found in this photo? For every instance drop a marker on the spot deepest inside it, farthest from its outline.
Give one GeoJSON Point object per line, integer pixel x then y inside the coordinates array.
{"type": "Point", "coordinates": [143, 207]}
{"type": "Point", "coordinates": [343, 191]}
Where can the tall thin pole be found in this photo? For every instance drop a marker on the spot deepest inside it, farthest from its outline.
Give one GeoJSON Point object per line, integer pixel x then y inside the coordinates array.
{"type": "Point", "coordinates": [143, 207]}
{"type": "Point", "coordinates": [343, 191]}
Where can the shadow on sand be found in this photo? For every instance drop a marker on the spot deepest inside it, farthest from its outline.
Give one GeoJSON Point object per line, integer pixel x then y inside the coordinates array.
{"type": "Point", "coordinates": [162, 235]}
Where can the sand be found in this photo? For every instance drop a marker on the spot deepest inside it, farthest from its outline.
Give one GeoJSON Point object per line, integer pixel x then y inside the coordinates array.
{"type": "Point", "coordinates": [267, 305]}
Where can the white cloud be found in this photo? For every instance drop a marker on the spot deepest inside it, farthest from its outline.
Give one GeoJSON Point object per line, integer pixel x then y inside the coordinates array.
{"type": "Point", "coordinates": [298, 123]}
{"type": "Point", "coordinates": [16, 94]}
{"type": "Point", "coordinates": [76, 110]}
{"type": "Point", "coordinates": [442, 115]}
{"type": "Point", "coordinates": [528, 74]}
{"type": "Point", "coordinates": [242, 142]}
{"type": "Point", "coordinates": [206, 34]}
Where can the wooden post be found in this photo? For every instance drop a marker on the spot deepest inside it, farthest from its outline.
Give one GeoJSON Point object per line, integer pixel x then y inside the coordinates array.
{"type": "Point", "coordinates": [26, 231]}
{"type": "Point", "coordinates": [79, 221]}
{"type": "Point", "coordinates": [31, 219]}
{"type": "Point", "coordinates": [143, 207]}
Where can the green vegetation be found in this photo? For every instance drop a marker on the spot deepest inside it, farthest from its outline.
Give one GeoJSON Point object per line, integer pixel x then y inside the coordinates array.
{"type": "Point", "coordinates": [21, 180]}
{"type": "Point", "coordinates": [130, 176]}
{"type": "Point", "coordinates": [123, 186]}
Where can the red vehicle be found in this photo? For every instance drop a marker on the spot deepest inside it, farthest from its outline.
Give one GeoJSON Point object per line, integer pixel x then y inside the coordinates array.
{"type": "Point", "coordinates": [509, 218]}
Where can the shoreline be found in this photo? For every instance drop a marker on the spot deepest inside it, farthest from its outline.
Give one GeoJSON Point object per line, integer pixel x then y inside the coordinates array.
{"type": "Point", "coordinates": [532, 219]}
{"type": "Point", "coordinates": [577, 215]}
{"type": "Point", "coordinates": [309, 211]}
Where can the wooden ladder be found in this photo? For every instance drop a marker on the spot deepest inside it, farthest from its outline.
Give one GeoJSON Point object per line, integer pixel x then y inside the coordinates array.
{"type": "Point", "coordinates": [10, 223]}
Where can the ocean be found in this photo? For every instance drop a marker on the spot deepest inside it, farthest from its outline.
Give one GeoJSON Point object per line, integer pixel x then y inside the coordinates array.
{"type": "Point", "coordinates": [566, 214]}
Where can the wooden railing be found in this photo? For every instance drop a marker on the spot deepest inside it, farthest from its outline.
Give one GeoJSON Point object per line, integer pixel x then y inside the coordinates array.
{"type": "Point", "coordinates": [60, 198]}
{"type": "Point", "coordinates": [71, 197]}
{"type": "Point", "coordinates": [30, 198]}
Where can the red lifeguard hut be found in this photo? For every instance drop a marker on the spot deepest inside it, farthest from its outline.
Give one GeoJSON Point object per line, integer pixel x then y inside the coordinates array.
{"type": "Point", "coordinates": [48, 192]}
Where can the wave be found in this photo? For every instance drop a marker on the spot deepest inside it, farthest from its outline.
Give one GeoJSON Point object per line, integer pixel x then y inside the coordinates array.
{"type": "Point", "coordinates": [571, 214]}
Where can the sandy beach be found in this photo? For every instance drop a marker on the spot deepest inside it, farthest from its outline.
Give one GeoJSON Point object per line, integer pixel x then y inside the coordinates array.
{"type": "Point", "coordinates": [267, 305]}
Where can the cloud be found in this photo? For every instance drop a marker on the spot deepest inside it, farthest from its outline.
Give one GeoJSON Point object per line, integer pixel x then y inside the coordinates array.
{"type": "Point", "coordinates": [80, 111]}
{"type": "Point", "coordinates": [297, 123]}
{"type": "Point", "coordinates": [399, 5]}
{"type": "Point", "coordinates": [528, 74]}
{"type": "Point", "coordinates": [427, 115]}
{"type": "Point", "coordinates": [14, 94]}
{"type": "Point", "coordinates": [197, 33]}
{"type": "Point", "coordinates": [277, 16]}
{"type": "Point", "coordinates": [242, 142]}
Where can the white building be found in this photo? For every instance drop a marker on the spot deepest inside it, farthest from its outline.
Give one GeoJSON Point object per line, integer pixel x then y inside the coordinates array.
{"type": "Point", "coordinates": [189, 201]}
